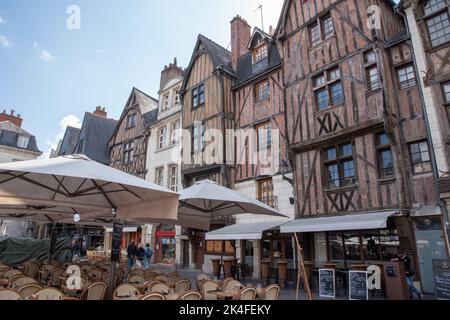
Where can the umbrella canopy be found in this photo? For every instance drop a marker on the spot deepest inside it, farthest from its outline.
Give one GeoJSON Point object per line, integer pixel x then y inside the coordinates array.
{"type": "Point", "coordinates": [206, 201]}
{"type": "Point", "coordinates": [54, 190]}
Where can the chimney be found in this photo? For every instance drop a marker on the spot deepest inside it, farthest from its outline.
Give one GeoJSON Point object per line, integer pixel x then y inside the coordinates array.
{"type": "Point", "coordinates": [240, 36]}
{"type": "Point", "coordinates": [169, 72]}
{"type": "Point", "coordinates": [17, 120]}
{"type": "Point", "coordinates": [99, 111]}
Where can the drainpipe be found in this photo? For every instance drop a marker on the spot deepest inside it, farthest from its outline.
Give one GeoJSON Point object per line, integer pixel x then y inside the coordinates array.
{"type": "Point", "coordinates": [439, 201]}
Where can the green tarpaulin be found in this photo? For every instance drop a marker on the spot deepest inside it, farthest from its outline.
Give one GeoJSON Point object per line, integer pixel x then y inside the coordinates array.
{"type": "Point", "coordinates": [14, 251]}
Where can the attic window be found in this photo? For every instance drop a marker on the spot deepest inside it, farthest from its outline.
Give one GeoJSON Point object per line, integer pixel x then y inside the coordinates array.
{"type": "Point", "coordinates": [22, 142]}
{"type": "Point", "coordinates": [260, 53]}
{"type": "Point", "coordinates": [131, 121]}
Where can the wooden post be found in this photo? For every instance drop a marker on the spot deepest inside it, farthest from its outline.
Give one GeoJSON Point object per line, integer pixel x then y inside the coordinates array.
{"type": "Point", "coordinates": [301, 271]}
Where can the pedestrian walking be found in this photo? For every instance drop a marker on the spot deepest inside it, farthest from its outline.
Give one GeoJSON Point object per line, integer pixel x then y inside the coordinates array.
{"type": "Point", "coordinates": [409, 273]}
{"type": "Point", "coordinates": [148, 256]}
{"type": "Point", "coordinates": [131, 255]}
{"type": "Point", "coordinates": [140, 255]}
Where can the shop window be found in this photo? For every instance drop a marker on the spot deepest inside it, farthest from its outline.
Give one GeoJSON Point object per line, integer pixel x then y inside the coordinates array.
{"type": "Point", "coordinates": [437, 21]}
{"type": "Point", "coordinates": [385, 158]}
{"type": "Point", "coordinates": [336, 246]}
{"type": "Point", "coordinates": [266, 250]}
{"type": "Point", "coordinates": [389, 244]}
{"type": "Point", "coordinates": [339, 166]}
{"type": "Point", "coordinates": [352, 243]}
{"type": "Point", "coordinates": [420, 157]}
{"type": "Point", "coordinates": [328, 89]}
{"type": "Point", "coordinates": [406, 76]}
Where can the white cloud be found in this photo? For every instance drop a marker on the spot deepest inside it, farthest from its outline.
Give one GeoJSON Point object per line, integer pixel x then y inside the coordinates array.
{"type": "Point", "coordinates": [68, 121]}
{"type": "Point", "coordinates": [43, 54]}
{"type": "Point", "coordinates": [98, 51]}
{"type": "Point", "coordinates": [4, 41]}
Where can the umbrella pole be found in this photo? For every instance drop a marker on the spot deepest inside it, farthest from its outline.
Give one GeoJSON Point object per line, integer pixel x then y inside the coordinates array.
{"type": "Point", "coordinates": [112, 279]}
{"type": "Point", "coordinates": [51, 245]}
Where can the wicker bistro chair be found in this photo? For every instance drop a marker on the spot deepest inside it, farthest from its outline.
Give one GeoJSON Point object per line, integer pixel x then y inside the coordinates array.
{"type": "Point", "coordinates": [224, 283]}
{"type": "Point", "coordinates": [173, 277]}
{"type": "Point", "coordinates": [11, 273]}
{"type": "Point", "coordinates": [153, 296]}
{"type": "Point", "coordinates": [28, 290]}
{"type": "Point", "coordinates": [200, 280]}
{"type": "Point", "coordinates": [160, 288]}
{"type": "Point", "coordinates": [95, 291]}
{"type": "Point", "coordinates": [148, 287]}
{"type": "Point", "coordinates": [162, 278]}
{"type": "Point", "coordinates": [44, 273]}
{"type": "Point", "coordinates": [95, 274]}
{"type": "Point", "coordinates": [136, 280]}
{"type": "Point", "coordinates": [207, 287]}
{"type": "Point", "coordinates": [125, 290]}
{"type": "Point", "coordinates": [182, 286]}
{"type": "Point", "coordinates": [191, 295]}
{"type": "Point", "coordinates": [22, 281]}
{"type": "Point", "coordinates": [85, 268]}
{"type": "Point", "coordinates": [246, 294]}
{"type": "Point", "coordinates": [14, 278]}
{"type": "Point", "coordinates": [137, 272]}
{"type": "Point", "coordinates": [31, 269]}
{"type": "Point", "coordinates": [9, 294]}
{"type": "Point", "coordinates": [272, 292]}
{"type": "Point", "coordinates": [69, 299]}
{"type": "Point", "coordinates": [49, 294]}
{"type": "Point", "coordinates": [55, 275]}
{"type": "Point", "coordinates": [233, 286]}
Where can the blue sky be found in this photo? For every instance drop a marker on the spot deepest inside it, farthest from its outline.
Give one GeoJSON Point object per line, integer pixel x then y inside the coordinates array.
{"type": "Point", "coordinates": [51, 75]}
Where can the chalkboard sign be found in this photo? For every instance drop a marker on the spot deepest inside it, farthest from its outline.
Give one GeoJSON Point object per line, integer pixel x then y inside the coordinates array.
{"type": "Point", "coordinates": [116, 241]}
{"type": "Point", "coordinates": [358, 289]}
{"type": "Point", "coordinates": [441, 271]}
{"type": "Point", "coordinates": [327, 288]}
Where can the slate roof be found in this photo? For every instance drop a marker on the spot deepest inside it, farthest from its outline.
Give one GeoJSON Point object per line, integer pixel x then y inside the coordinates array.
{"type": "Point", "coordinates": [220, 57]}
{"type": "Point", "coordinates": [150, 117]}
{"type": "Point", "coordinates": [96, 132]}
{"type": "Point", "coordinates": [145, 102]}
{"type": "Point", "coordinates": [69, 141]}
{"type": "Point", "coordinates": [10, 139]}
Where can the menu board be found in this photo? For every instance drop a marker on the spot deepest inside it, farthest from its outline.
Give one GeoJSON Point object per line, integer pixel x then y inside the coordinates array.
{"type": "Point", "coordinates": [358, 285]}
{"type": "Point", "coordinates": [116, 241]}
{"type": "Point", "coordinates": [327, 288]}
{"type": "Point", "coordinates": [441, 271]}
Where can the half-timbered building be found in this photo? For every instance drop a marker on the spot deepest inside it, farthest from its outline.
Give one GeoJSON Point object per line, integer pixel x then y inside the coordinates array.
{"type": "Point", "coordinates": [357, 133]}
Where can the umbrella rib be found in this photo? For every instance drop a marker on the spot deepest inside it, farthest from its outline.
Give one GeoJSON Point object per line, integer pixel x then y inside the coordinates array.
{"type": "Point", "coordinates": [132, 192]}
{"type": "Point", "coordinates": [188, 205]}
{"type": "Point", "coordinates": [82, 192]}
{"type": "Point", "coordinates": [60, 184]}
{"type": "Point", "coordinates": [79, 187]}
{"type": "Point", "coordinates": [12, 178]}
{"type": "Point", "coordinates": [104, 194]}
{"type": "Point", "coordinates": [40, 185]}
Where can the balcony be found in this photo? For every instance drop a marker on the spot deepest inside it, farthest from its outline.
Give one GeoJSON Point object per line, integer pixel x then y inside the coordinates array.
{"type": "Point", "coordinates": [271, 201]}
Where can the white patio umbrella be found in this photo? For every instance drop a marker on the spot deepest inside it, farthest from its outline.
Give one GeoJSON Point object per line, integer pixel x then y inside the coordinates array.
{"type": "Point", "coordinates": [206, 201]}
{"type": "Point", "coordinates": [54, 190]}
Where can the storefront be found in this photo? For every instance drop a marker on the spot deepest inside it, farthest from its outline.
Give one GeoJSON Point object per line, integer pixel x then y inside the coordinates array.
{"type": "Point", "coordinates": [165, 244]}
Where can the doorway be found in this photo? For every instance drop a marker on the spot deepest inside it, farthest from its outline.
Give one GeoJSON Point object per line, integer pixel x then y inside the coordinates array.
{"type": "Point", "coordinates": [186, 255]}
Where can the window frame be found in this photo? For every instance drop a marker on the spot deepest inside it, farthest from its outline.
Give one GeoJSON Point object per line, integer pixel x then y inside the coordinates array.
{"type": "Point", "coordinates": [262, 95]}
{"type": "Point", "coordinates": [196, 93]}
{"type": "Point", "coordinates": [368, 66]}
{"type": "Point", "coordinates": [131, 121]}
{"type": "Point", "coordinates": [175, 128]}
{"type": "Point", "coordinates": [319, 23]}
{"type": "Point", "coordinates": [381, 148]}
{"type": "Point", "coordinates": [326, 85]}
{"type": "Point", "coordinates": [173, 187]}
{"type": "Point", "coordinates": [430, 16]}
{"type": "Point", "coordinates": [267, 126]}
{"type": "Point", "coordinates": [194, 137]}
{"type": "Point", "coordinates": [128, 151]}
{"type": "Point", "coordinates": [422, 163]}
{"type": "Point", "coordinates": [159, 179]}
{"type": "Point", "coordinates": [339, 161]}
{"type": "Point", "coordinates": [162, 134]}
{"type": "Point", "coordinates": [260, 53]}
{"type": "Point", "coordinates": [265, 191]}
{"type": "Point", "coordinates": [409, 85]}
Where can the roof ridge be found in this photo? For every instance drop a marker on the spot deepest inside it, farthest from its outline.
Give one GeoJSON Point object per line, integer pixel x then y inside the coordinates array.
{"type": "Point", "coordinates": [145, 94]}
{"type": "Point", "coordinates": [215, 43]}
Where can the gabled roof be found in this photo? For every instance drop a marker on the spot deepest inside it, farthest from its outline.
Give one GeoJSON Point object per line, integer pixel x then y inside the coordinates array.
{"type": "Point", "coordinates": [145, 102]}
{"type": "Point", "coordinates": [150, 117]}
{"type": "Point", "coordinates": [11, 139]}
{"type": "Point", "coordinates": [258, 32]}
{"type": "Point", "coordinates": [220, 57]}
{"type": "Point", "coordinates": [69, 141]}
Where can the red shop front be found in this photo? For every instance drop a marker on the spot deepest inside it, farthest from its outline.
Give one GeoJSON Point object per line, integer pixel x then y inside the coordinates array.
{"type": "Point", "coordinates": [165, 244]}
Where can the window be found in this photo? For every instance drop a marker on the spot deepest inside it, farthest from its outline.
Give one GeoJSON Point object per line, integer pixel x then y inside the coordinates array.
{"type": "Point", "coordinates": [173, 178]}
{"type": "Point", "coordinates": [162, 137]}
{"type": "Point", "coordinates": [321, 30]}
{"type": "Point", "coordinates": [446, 90]}
{"type": "Point", "coordinates": [328, 89]}
{"type": "Point", "coordinates": [198, 138]}
{"type": "Point", "coordinates": [22, 142]}
{"type": "Point", "coordinates": [372, 76]}
{"type": "Point", "coordinates": [165, 105]}
{"type": "Point", "coordinates": [265, 192]}
{"type": "Point", "coordinates": [175, 134]}
{"type": "Point", "coordinates": [159, 177]}
{"type": "Point", "coordinates": [420, 157]}
{"type": "Point", "coordinates": [128, 152]}
{"type": "Point", "coordinates": [339, 165]}
{"type": "Point", "coordinates": [437, 21]}
{"type": "Point", "coordinates": [177, 97]}
{"type": "Point", "coordinates": [260, 53]}
{"type": "Point", "coordinates": [264, 132]}
{"type": "Point", "coordinates": [198, 96]}
{"type": "Point", "coordinates": [385, 159]}
{"type": "Point", "coordinates": [262, 91]}
{"type": "Point", "coordinates": [406, 76]}
{"type": "Point", "coordinates": [131, 121]}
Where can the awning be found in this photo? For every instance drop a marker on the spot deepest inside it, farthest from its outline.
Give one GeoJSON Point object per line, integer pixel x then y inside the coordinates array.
{"type": "Point", "coordinates": [125, 229]}
{"type": "Point", "coordinates": [367, 221]}
{"type": "Point", "coordinates": [244, 231]}
{"type": "Point", "coordinates": [426, 211]}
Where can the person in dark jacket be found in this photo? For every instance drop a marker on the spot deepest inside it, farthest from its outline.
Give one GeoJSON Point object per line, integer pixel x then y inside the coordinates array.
{"type": "Point", "coordinates": [131, 254]}
{"type": "Point", "coordinates": [409, 273]}
{"type": "Point", "coordinates": [140, 254]}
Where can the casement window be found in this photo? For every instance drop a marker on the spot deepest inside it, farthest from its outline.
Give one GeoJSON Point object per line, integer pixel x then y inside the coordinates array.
{"type": "Point", "coordinates": [198, 96]}
{"type": "Point", "coordinates": [22, 142]}
{"type": "Point", "coordinates": [262, 91]}
{"type": "Point", "coordinates": [260, 53]}
{"type": "Point", "coordinates": [198, 138]}
{"type": "Point", "coordinates": [162, 137]}
{"type": "Point", "coordinates": [173, 178]}
{"type": "Point", "coordinates": [339, 166]}
{"type": "Point", "coordinates": [372, 75]}
{"type": "Point", "coordinates": [128, 152]}
{"type": "Point", "coordinates": [420, 157]}
{"type": "Point", "coordinates": [321, 30]}
{"type": "Point", "coordinates": [159, 176]}
{"type": "Point", "coordinates": [406, 77]}
{"type": "Point", "coordinates": [385, 158]}
{"type": "Point", "coordinates": [177, 98]}
{"type": "Point", "coordinates": [328, 89]}
{"type": "Point", "coordinates": [131, 121]}
{"type": "Point", "coordinates": [165, 102]}
{"type": "Point", "coordinates": [437, 21]}
{"type": "Point", "coordinates": [265, 192]}
{"type": "Point", "coordinates": [264, 132]}
{"type": "Point", "coordinates": [175, 133]}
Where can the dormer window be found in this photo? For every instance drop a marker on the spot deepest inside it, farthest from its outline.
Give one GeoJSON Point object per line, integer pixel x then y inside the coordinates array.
{"type": "Point", "coordinates": [177, 97]}
{"type": "Point", "coordinates": [131, 121]}
{"type": "Point", "coordinates": [165, 105]}
{"type": "Point", "coordinates": [260, 53]}
{"type": "Point", "coordinates": [22, 142]}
